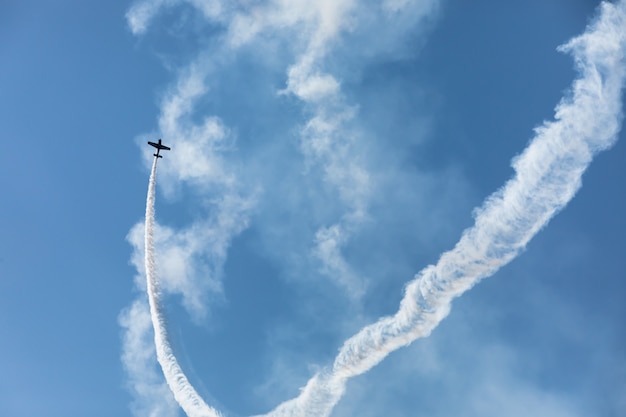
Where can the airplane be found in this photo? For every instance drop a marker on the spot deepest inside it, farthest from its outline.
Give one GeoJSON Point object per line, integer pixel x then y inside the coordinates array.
{"type": "Point", "coordinates": [158, 146]}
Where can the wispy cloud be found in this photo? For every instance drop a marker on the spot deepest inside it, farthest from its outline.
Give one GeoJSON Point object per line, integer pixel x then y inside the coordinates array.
{"type": "Point", "coordinates": [329, 142]}
{"type": "Point", "coordinates": [152, 396]}
{"type": "Point", "coordinates": [142, 12]}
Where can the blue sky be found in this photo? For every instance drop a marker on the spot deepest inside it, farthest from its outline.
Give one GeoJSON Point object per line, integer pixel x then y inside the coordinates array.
{"type": "Point", "coordinates": [322, 155]}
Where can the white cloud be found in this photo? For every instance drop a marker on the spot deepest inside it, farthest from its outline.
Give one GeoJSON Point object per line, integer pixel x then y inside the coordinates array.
{"type": "Point", "coordinates": [328, 244]}
{"type": "Point", "coordinates": [152, 396]}
{"type": "Point", "coordinates": [189, 261]}
{"type": "Point", "coordinates": [143, 11]}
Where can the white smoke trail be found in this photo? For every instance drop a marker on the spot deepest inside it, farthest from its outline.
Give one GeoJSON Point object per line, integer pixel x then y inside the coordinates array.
{"type": "Point", "coordinates": [548, 174]}
{"type": "Point", "coordinates": [184, 393]}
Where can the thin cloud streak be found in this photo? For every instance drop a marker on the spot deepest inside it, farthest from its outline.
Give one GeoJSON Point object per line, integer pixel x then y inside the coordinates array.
{"type": "Point", "coordinates": [184, 393]}
{"type": "Point", "coordinates": [548, 174]}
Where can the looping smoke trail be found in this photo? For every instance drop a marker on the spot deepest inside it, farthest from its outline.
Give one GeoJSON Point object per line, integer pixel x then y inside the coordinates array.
{"type": "Point", "coordinates": [184, 393]}
{"type": "Point", "coordinates": [548, 174]}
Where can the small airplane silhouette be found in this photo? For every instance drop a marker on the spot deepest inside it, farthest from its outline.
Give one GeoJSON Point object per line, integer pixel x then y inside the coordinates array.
{"type": "Point", "coordinates": [158, 146]}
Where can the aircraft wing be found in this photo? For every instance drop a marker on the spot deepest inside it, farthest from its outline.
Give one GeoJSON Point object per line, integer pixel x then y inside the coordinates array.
{"type": "Point", "coordinates": [159, 146]}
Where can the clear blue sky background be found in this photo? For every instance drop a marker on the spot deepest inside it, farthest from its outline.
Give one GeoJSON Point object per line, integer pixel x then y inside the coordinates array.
{"type": "Point", "coordinates": [440, 108]}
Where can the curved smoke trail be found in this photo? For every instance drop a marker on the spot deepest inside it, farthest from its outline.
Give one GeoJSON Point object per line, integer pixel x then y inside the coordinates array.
{"type": "Point", "coordinates": [184, 393]}
{"type": "Point", "coordinates": [548, 174]}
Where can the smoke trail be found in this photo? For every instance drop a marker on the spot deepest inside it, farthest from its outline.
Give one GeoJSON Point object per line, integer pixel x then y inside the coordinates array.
{"type": "Point", "coordinates": [184, 393]}
{"type": "Point", "coordinates": [548, 174]}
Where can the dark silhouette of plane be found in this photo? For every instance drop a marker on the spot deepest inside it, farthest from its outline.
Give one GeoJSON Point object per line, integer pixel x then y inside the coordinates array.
{"type": "Point", "coordinates": [158, 146]}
